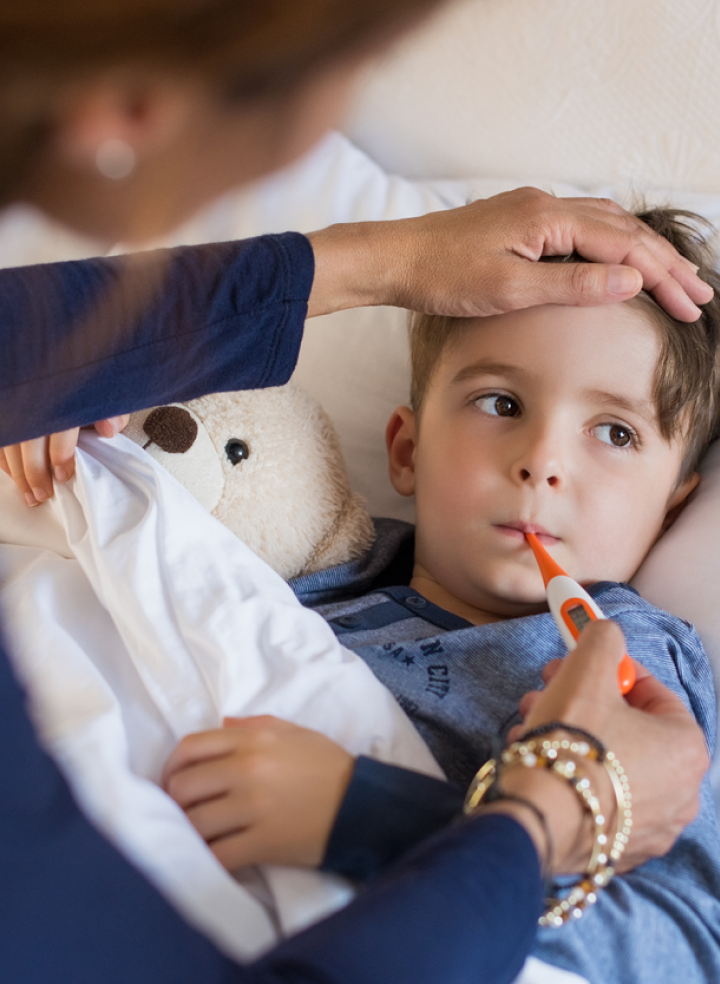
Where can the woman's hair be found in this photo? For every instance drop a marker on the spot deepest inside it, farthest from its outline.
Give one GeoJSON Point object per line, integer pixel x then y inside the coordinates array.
{"type": "Point", "coordinates": [248, 48]}
{"type": "Point", "coordinates": [687, 375]}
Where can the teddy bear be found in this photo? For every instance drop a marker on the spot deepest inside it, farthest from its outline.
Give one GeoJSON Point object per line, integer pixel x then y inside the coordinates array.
{"type": "Point", "coordinates": [268, 465]}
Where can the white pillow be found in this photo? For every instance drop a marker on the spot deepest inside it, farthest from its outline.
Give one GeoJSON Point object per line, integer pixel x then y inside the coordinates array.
{"type": "Point", "coordinates": [682, 572]}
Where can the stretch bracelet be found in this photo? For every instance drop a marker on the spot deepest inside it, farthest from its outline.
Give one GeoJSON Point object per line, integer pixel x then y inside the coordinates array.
{"type": "Point", "coordinates": [559, 756]}
{"type": "Point", "coordinates": [621, 788]}
{"type": "Point", "coordinates": [571, 729]}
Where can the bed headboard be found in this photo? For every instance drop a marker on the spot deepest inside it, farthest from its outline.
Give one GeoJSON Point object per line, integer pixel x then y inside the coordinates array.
{"type": "Point", "coordinates": [619, 92]}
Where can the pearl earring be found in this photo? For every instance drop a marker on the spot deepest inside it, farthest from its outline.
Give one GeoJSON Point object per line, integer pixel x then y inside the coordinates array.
{"type": "Point", "coordinates": [115, 159]}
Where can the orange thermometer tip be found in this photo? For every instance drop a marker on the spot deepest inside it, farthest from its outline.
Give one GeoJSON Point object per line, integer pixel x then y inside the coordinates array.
{"type": "Point", "coordinates": [549, 568]}
{"type": "Point", "coordinates": [563, 604]}
{"type": "Point", "coordinates": [626, 675]}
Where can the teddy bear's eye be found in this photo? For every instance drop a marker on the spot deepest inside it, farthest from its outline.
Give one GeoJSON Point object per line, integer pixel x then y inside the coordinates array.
{"type": "Point", "coordinates": [236, 450]}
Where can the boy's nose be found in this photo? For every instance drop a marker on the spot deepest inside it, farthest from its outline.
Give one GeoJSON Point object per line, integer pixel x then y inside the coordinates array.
{"type": "Point", "coordinates": [527, 476]}
{"type": "Point", "coordinates": [537, 462]}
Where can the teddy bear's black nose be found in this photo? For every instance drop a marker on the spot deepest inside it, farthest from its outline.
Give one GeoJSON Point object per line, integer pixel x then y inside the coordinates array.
{"type": "Point", "coordinates": [172, 429]}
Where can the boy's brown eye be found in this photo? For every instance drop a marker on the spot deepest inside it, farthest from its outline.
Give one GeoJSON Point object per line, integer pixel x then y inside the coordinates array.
{"type": "Point", "coordinates": [620, 436]}
{"type": "Point", "coordinates": [505, 407]}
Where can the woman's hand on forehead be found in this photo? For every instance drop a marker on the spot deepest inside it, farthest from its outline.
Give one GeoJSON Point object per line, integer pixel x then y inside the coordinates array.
{"type": "Point", "coordinates": [482, 259]}
{"type": "Point", "coordinates": [669, 277]}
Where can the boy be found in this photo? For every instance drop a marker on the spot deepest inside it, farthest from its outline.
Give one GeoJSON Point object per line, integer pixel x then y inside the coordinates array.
{"type": "Point", "coordinates": [584, 426]}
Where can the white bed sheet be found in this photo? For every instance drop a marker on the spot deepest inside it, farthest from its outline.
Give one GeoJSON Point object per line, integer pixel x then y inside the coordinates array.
{"type": "Point", "coordinates": [143, 619]}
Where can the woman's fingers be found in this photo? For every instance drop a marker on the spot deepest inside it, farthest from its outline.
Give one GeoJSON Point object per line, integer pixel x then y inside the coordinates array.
{"type": "Point", "coordinates": [29, 467]}
{"type": "Point", "coordinates": [584, 690]}
{"type": "Point", "coordinates": [61, 452]}
{"type": "Point", "coordinates": [603, 232]}
{"type": "Point", "coordinates": [35, 465]}
{"type": "Point", "coordinates": [663, 273]}
{"type": "Point", "coordinates": [654, 736]}
{"type": "Point", "coordinates": [112, 426]}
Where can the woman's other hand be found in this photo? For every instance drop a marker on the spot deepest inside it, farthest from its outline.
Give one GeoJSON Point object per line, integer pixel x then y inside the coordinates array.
{"type": "Point", "coordinates": [656, 739]}
{"type": "Point", "coordinates": [33, 465]}
{"type": "Point", "coordinates": [260, 790]}
{"type": "Point", "coordinates": [481, 259]}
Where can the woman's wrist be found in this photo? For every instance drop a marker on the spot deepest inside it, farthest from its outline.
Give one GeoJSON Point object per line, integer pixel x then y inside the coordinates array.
{"type": "Point", "coordinates": [564, 841]}
{"type": "Point", "coordinates": [357, 264]}
{"type": "Point", "coordinates": [554, 812]}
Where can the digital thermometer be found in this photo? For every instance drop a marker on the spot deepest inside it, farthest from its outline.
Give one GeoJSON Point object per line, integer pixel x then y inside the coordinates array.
{"type": "Point", "coordinates": [572, 607]}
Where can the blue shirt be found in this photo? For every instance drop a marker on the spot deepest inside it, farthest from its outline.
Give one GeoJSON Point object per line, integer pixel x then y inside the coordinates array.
{"type": "Point", "coordinates": [461, 685]}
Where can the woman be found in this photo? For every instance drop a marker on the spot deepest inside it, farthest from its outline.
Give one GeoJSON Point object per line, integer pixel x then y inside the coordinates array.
{"type": "Point", "coordinates": [120, 117]}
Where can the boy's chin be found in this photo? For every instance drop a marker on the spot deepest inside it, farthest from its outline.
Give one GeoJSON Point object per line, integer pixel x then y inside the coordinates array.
{"type": "Point", "coordinates": [517, 601]}
{"type": "Point", "coordinates": [522, 590]}
{"type": "Point", "coordinates": [519, 607]}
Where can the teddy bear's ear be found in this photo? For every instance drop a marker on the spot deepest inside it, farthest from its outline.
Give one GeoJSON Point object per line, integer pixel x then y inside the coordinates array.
{"type": "Point", "coordinates": [351, 534]}
{"type": "Point", "coordinates": [176, 437]}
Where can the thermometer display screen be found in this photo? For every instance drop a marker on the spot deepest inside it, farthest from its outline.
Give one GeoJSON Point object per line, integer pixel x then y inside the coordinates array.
{"type": "Point", "coordinates": [579, 616]}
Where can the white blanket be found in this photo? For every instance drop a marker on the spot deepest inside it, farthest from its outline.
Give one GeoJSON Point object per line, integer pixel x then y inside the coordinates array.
{"type": "Point", "coordinates": [135, 618]}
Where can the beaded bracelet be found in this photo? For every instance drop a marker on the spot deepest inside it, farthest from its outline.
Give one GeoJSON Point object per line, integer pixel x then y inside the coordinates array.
{"type": "Point", "coordinates": [556, 755]}
{"type": "Point", "coordinates": [621, 788]}
{"type": "Point", "coordinates": [571, 729]}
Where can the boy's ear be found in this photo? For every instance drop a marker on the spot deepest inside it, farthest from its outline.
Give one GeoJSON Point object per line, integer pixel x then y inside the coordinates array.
{"type": "Point", "coordinates": [678, 501]}
{"type": "Point", "coordinates": [400, 435]}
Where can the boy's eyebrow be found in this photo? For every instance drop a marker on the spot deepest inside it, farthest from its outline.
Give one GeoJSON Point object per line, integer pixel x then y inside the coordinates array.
{"type": "Point", "coordinates": [484, 367]}
{"type": "Point", "coordinates": [643, 408]}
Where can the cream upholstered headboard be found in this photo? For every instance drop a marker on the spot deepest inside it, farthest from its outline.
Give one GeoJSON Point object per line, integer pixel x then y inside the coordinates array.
{"type": "Point", "coordinates": [591, 92]}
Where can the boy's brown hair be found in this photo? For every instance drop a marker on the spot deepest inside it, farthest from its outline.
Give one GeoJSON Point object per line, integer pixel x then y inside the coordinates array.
{"type": "Point", "coordinates": [687, 376]}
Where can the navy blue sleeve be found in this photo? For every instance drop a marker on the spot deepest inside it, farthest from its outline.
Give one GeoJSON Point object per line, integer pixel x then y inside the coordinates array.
{"type": "Point", "coordinates": [89, 339]}
{"type": "Point", "coordinates": [386, 811]}
{"type": "Point", "coordinates": [460, 909]}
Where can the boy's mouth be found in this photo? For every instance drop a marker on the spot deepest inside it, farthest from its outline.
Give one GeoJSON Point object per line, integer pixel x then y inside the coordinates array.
{"type": "Point", "coordinates": [518, 531]}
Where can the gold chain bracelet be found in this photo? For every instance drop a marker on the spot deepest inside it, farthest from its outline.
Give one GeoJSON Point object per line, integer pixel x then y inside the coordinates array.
{"type": "Point", "coordinates": [559, 756]}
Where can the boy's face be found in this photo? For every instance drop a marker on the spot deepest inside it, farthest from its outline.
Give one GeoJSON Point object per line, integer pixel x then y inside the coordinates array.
{"type": "Point", "coordinates": [539, 420]}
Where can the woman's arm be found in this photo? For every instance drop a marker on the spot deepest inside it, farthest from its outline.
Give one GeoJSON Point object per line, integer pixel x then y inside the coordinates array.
{"type": "Point", "coordinates": [77, 912]}
{"type": "Point", "coordinates": [90, 339]}
{"type": "Point", "coordinates": [466, 901]}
